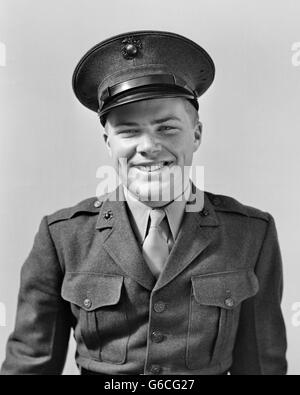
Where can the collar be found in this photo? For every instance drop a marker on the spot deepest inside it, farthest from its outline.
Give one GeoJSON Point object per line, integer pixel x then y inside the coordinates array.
{"type": "Point", "coordinates": [141, 212]}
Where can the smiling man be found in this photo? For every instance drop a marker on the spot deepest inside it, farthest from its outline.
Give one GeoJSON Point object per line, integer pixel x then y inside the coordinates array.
{"type": "Point", "coordinates": [156, 277]}
{"type": "Point", "coordinates": [151, 140]}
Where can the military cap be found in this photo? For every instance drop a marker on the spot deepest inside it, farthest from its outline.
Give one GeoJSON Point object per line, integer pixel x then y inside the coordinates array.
{"type": "Point", "coordinates": [141, 65]}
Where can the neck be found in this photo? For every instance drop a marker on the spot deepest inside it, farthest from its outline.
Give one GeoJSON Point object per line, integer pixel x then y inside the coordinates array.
{"type": "Point", "coordinates": [183, 195]}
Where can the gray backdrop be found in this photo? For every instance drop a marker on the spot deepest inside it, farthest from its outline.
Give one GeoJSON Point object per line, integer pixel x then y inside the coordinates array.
{"type": "Point", "coordinates": [51, 146]}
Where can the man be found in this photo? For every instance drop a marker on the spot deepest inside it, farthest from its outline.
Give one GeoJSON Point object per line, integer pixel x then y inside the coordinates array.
{"type": "Point", "coordinates": [154, 277]}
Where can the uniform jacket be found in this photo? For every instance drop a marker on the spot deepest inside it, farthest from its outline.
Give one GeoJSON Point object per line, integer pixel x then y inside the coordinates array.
{"type": "Point", "coordinates": [214, 309]}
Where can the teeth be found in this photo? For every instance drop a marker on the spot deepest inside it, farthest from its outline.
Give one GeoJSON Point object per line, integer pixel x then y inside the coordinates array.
{"type": "Point", "coordinates": [151, 168]}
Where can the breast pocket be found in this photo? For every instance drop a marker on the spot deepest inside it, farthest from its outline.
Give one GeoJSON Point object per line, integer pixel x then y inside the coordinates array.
{"type": "Point", "coordinates": [214, 312]}
{"type": "Point", "coordinates": [102, 317]}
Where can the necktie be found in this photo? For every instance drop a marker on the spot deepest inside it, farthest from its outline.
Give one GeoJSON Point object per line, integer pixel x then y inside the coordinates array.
{"type": "Point", "coordinates": [155, 247]}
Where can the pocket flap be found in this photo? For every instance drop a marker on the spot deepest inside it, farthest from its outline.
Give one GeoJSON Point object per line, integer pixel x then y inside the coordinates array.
{"type": "Point", "coordinates": [92, 290]}
{"type": "Point", "coordinates": [227, 289]}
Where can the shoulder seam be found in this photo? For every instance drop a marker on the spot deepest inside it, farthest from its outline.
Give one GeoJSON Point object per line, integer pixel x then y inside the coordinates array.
{"type": "Point", "coordinates": [90, 206]}
{"type": "Point", "coordinates": [228, 204]}
{"type": "Point", "coordinates": [263, 215]}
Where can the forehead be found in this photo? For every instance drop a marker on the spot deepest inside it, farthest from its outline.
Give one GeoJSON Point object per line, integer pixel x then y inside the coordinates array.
{"type": "Point", "coordinates": [149, 111]}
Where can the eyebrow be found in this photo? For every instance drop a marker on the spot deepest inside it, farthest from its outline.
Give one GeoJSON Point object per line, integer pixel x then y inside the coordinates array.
{"type": "Point", "coordinates": [166, 119]}
{"type": "Point", "coordinates": [155, 122]}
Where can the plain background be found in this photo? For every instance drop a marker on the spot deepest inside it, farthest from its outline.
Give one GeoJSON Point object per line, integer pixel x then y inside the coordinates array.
{"type": "Point", "coordinates": [51, 146]}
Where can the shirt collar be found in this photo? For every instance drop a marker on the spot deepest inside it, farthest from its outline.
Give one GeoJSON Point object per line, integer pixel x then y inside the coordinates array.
{"type": "Point", "coordinates": [140, 212]}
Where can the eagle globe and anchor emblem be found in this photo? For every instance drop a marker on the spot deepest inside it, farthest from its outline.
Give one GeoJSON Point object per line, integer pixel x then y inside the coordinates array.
{"type": "Point", "coordinates": [131, 47]}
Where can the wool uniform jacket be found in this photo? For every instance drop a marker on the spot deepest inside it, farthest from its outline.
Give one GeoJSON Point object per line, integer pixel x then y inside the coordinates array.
{"type": "Point", "coordinates": [214, 309]}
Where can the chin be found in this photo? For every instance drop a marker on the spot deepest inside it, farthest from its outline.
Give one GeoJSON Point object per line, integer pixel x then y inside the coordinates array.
{"type": "Point", "coordinates": [155, 194]}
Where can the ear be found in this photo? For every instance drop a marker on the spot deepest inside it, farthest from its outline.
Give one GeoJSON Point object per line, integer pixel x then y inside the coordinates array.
{"type": "Point", "coordinates": [107, 143]}
{"type": "Point", "coordinates": [197, 135]}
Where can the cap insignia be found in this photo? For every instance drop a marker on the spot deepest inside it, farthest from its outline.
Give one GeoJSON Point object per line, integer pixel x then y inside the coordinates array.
{"type": "Point", "coordinates": [131, 47]}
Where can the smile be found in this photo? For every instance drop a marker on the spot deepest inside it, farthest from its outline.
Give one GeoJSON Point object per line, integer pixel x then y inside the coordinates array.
{"type": "Point", "coordinates": [150, 168]}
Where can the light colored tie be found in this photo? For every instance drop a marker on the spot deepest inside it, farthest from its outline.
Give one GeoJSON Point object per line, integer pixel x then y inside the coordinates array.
{"type": "Point", "coordinates": [155, 247]}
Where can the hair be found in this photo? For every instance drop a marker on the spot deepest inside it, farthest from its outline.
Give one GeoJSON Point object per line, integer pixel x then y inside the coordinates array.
{"type": "Point", "coordinates": [192, 111]}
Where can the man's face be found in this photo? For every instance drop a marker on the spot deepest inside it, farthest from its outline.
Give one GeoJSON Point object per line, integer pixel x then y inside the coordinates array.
{"type": "Point", "coordinates": [149, 141]}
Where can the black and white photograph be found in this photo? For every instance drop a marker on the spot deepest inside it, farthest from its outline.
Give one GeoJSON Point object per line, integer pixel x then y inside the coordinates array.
{"type": "Point", "coordinates": [149, 163]}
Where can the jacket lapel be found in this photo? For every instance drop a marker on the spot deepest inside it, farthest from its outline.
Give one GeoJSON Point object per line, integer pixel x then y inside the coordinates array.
{"type": "Point", "coordinates": [197, 231]}
{"type": "Point", "coordinates": [119, 240]}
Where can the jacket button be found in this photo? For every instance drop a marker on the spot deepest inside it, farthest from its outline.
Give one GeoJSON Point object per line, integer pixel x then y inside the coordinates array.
{"type": "Point", "coordinates": [97, 204]}
{"type": "Point", "coordinates": [157, 337]}
{"type": "Point", "coordinates": [155, 369]}
{"type": "Point", "coordinates": [87, 303]}
{"type": "Point", "coordinates": [229, 302]}
{"type": "Point", "coordinates": [205, 212]}
{"type": "Point", "coordinates": [159, 307]}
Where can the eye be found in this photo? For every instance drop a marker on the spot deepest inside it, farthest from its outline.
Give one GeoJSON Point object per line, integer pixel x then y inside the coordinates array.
{"type": "Point", "coordinates": [129, 132]}
{"type": "Point", "coordinates": [166, 128]}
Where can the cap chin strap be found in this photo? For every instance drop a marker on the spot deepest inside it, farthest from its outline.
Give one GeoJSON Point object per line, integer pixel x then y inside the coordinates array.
{"type": "Point", "coordinates": [105, 111]}
{"type": "Point", "coordinates": [162, 84]}
{"type": "Point", "coordinates": [153, 79]}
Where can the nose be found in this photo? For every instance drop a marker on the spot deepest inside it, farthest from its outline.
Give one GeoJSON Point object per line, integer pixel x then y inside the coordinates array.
{"type": "Point", "coordinates": [148, 144]}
